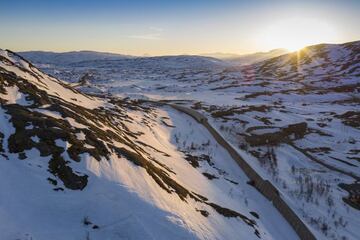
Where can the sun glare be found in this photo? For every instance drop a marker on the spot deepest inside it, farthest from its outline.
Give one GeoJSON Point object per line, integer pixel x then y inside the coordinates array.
{"type": "Point", "coordinates": [296, 33]}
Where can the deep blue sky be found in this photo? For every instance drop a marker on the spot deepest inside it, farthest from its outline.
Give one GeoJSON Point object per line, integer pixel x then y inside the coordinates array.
{"type": "Point", "coordinates": [160, 27]}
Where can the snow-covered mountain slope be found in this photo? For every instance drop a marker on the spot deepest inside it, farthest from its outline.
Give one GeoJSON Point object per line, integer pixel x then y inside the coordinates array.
{"type": "Point", "coordinates": [314, 163]}
{"type": "Point", "coordinates": [65, 58]}
{"type": "Point", "coordinates": [325, 62]}
{"type": "Point", "coordinates": [75, 166]}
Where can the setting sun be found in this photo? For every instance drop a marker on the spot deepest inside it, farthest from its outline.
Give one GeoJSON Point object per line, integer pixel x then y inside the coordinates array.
{"type": "Point", "coordinates": [296, 33]}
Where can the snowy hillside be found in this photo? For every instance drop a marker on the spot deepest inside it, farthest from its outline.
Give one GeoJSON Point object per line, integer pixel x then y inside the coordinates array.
{"type": "Point", "coordinates": [75, 166]}
{"type": "Point", "coordinates": [294, 118]}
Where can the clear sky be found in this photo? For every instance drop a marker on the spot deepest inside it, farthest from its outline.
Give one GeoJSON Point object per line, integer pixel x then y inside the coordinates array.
{"type": "Point", "coordinates": [159, 27]}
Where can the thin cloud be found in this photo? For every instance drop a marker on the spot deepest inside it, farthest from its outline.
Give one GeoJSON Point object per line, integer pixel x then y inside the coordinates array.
{"type": "Point", "coordinates": [157, 29]}
{"type": "Point", "coordinates": [155, 34]}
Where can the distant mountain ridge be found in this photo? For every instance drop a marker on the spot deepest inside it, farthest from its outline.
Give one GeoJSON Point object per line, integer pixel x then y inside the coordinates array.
{"type": "Point", "coordinates": [248, 59]}
{"type": "Point", "coordinates": [44, 57]}
{"type": "Point", "coordinates": [77, 58]}
{"type": "Point", "coordinates": [65, 58]}
{"type": "Point", "coordinates": [258, 57]}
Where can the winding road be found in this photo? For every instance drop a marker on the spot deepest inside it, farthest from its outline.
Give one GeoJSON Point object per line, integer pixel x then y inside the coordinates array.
{"type": "Point", "coordinates": [265, 187]}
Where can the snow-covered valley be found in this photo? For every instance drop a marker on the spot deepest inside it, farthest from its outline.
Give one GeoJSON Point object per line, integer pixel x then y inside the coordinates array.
{"type": "Point", "coordinates": [85, 158]}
